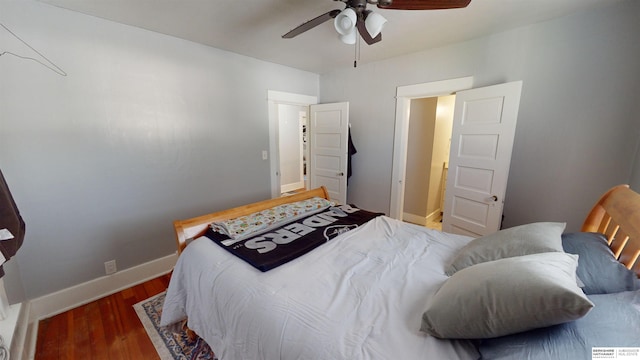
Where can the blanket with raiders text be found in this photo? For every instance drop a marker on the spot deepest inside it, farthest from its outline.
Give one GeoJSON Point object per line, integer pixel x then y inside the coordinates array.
{"type": "Point", "coordinates": [275, 247]}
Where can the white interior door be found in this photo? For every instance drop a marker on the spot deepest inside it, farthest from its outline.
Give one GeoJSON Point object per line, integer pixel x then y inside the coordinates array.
{"type": "Point", "coordinates": [483, 131]}
{"type": "Point", "coordinates": [329, 131]}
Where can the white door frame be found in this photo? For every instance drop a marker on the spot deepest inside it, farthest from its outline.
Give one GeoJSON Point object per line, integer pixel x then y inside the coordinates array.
{"type": "Point", "coordinates": [274, 98]}
{"type": "Point", "coordinates": [404, 94]}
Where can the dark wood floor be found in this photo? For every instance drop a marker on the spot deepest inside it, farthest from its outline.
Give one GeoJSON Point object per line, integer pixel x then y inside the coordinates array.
{"type": "Point", "coordinates": [104, 329]}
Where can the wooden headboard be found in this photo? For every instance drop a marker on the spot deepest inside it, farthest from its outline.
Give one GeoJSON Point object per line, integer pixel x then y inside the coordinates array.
{"type": "Point", "coordinates": [192, 228]}
{"type": "Point", "coordinates": [617, 215]}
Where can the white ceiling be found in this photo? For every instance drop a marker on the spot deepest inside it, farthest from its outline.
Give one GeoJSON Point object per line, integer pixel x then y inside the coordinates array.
{"type": "Point", "coordinates": [254, 27]}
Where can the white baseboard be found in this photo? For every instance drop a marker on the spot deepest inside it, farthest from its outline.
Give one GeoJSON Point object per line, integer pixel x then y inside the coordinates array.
{"type": "Point", "coordinates": [434, 215]}
{"type": "Point", "coordinates": [291, 187]}
{"type": "Point", "coordinates": [414, 219]}
{"type": "Point", "coordinates": [421, 220]}
{"type": "Point", "coordinates": [69, 298]}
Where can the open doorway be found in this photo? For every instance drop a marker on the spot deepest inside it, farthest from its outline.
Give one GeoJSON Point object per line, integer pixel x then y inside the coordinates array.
{"type": "Point", "coordinates": [483, 131]}
{"type": "Point", "coordinates": [291, 103]}
{"type": "Point", "coordinates": [292, 139]}
{"type": "Point", "coordinates": [327, 143]}
{"type": "Point", "coordinates": [404, 96]}
{"type": "Point", "coordinates": [429, 141]}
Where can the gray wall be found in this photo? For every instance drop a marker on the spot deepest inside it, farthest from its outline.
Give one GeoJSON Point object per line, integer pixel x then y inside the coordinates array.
{"type": "Point", "coordinates": [145, 129]}
{"type": "Point", "coordinates": [579, 123]}
{"type": "Point", "coordinates": [635, 178]}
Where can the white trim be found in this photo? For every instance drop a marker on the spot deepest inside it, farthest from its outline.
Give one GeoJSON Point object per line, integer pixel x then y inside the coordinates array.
{"type": "Point", "coordinates": [404, 94]}
{"type": "Point", "coordinates": [434, 215]}
{"type": "Point", "coordinates": [31, 340]}
{"type": "Point", "coordinates": [72, 297]}
{"type": "Point", "coordinates": [291, 187]}
{"type": "Point", "coordinates": [421, 220]}
{"type": "Point", "coordinates": [69, 298]}
{"type": "Point", "coordinates": [13, 329]}
{"type": "Point", "coordinates": [273, 99]}
{"type": "Point", "coordinates": [19, 347]}
{"type": "Point", "coordinates": [414, 219]}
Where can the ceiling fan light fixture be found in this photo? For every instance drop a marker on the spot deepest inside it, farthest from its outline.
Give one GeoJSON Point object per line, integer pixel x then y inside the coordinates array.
{"type": "Point", "coordinates": [349, 38]}
{"type": "Point", "coordinates": [345, 22]}
{"type": "Point", "coordinates": [374, 23]}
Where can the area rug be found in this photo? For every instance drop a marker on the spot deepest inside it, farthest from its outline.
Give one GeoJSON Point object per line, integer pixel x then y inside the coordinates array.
{"type": "Point", "coordinates": [170, 342]}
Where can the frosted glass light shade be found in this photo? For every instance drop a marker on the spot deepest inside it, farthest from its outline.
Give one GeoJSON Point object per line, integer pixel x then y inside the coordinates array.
{"type": "Point", "coordinates": [345, 22]}
{"type": "Point", "coordinates": [349, 38]}
{"type": "Point", "coordinates": [374, 23]}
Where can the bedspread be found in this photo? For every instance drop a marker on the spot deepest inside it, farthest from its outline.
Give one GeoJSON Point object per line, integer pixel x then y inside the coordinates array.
{"type": "Point", "coordinates": [360, 296]}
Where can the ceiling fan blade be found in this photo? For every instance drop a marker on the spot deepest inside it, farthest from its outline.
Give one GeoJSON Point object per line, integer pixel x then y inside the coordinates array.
{"type": "Point", "coordinates": [425, 4]}
{"type": "Point", "coordinates": [362, 29]}
{"type": "Point", "coordinates": [312, 23]}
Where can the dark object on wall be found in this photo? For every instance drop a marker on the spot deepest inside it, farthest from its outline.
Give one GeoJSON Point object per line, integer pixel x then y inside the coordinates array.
{"type": "Point", "coordinates": [11, 220]}
{"type": "Point", "coordinates": [352, 150]}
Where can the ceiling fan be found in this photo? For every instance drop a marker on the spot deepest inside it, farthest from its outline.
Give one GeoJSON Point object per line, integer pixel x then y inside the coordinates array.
{"type": "Point", "coordinates": [369, 24]}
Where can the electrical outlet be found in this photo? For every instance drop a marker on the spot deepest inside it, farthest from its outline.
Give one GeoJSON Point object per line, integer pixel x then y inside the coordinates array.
{"type": "Point", "coordinates": [110, 267]}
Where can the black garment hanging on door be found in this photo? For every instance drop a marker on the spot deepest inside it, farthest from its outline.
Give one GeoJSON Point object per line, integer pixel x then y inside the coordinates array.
{"type": "Point", "coordinates": [11, 220]}
{"type": "Point", "coordinates": [352, 150]}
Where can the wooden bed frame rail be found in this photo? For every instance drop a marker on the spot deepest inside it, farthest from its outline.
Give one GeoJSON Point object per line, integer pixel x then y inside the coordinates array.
{"type": "Point", "coordinates": [189, 229]}
{"type": "Point", "coordinates": [617, 215]}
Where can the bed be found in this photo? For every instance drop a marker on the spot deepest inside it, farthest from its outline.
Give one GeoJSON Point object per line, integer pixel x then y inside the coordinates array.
{"type": "Point", "coordinates": [392, 290]}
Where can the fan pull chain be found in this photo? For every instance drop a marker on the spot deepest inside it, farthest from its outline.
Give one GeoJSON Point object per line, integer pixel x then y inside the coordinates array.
{"type": "Point", "coordinates": [356, 55]}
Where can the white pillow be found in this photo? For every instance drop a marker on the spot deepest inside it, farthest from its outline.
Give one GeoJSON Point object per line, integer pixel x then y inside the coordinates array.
{"type": "Point", "coordinates": [245, 226]}
{"type": "Point", "coordinates": [507, 296]}
{"type": "Point", "coordinates": [516, 241]}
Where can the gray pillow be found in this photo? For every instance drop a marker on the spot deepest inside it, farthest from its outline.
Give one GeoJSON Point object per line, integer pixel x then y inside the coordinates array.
{"type": "Point", "coordinates": [507, 296]}
{"type": "Point", "coordinates": [516, 241]}
{"type": "Point", "coordinates": [598, 268]}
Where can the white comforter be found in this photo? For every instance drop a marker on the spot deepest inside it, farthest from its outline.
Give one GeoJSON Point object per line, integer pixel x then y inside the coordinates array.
{"type": "Point", "coordinates": [359, 296]}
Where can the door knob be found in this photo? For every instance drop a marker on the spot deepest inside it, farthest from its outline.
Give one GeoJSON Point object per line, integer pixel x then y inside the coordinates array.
{"type": "Point", "coordinates": [340, 174]}
{"type": "Point", "coordinates": [494, 198]}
